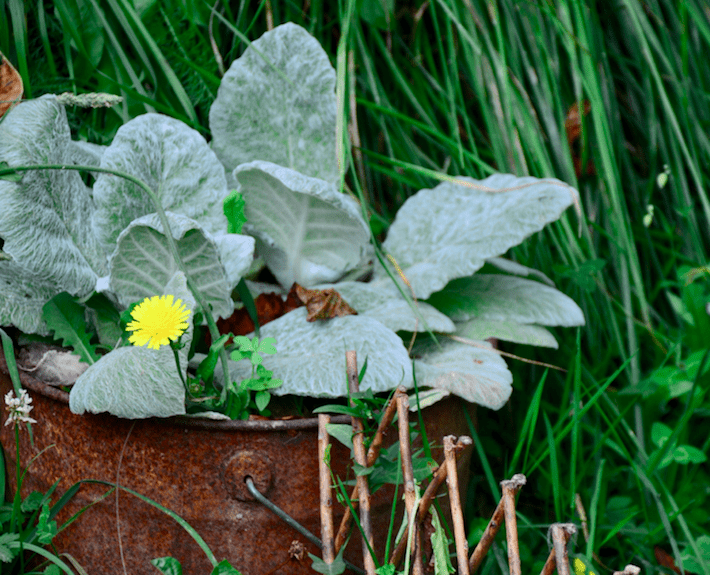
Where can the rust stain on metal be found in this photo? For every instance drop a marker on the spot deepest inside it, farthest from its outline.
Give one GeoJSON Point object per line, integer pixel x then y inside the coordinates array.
{"type": "Point", "coordinates": [196, 469]}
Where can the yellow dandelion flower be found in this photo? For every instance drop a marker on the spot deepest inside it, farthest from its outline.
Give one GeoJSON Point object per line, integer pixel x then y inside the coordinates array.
{"type": "Point", "coordinates": [579, 566]}
{"type": "Point", "coordinates": [158, 321]}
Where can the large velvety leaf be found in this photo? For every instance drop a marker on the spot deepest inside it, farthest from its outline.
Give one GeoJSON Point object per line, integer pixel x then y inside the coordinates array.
{"type": "Point", "coordinates": [137, 382]}
{"type": "Point", "coordinates": [143, 264]}
{"type": "Point", "coordinates": [310, 356]}
{"type": "Point", "coordinates": [382, 301]}
{"type": "Point", "coordinates": [517, 269]}
{"type": "Point", "coordinates": [277, 103]}
{"type": "Point", "coordinates": [506, 298]}
{"type": "Point", "coordinates": [477, 374]}
{"type": "Point", "coordinates": [22, 295]}
{"type": "Point", "coordinates": [307, 231]}
{"type": "Point", "coordinates": [449, 232]}
{"type": "Point", "coordinates": [176, 163]}
{"type": "Point", "coordinates": [480, 329]}
{"type": "Point", "coordinates": [45, 219]}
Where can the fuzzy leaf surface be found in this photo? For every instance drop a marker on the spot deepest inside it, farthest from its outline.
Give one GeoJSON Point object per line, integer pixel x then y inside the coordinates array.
{"type": "Point", "coordinates": [311, 355]}
{"type": "Point", "coordinates": [174, 161]}
{"type": "Point", "coordinates": [529, 334]}
{"type": "Point", "coordinates": [450, 231]}
{"type": "Point", "coordinates": [45, 219]}
{"type": "Point", "coordinates": [382, 301]}
{"type": "Point", "coordinates": [137, 382]}
{"type": "Point", "coordinates": [307, 232]}
{"type": "Point", "coordinates": [277, 103]}
{"type": "Point", "coordinates": [477, 374]}
{"type": "Point", "coordinates": [143, 264]}
{"type": "Point", "coordinates": [506, 298]}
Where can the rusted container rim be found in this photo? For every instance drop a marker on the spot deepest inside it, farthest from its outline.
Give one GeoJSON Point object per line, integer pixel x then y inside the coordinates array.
{"type": "Point", "coordinates": [37, 386]}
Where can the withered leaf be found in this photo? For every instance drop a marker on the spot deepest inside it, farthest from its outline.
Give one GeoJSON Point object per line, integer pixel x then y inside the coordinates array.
{"type": "Point", "coordinates": [11, 88]}
{"type": "Point", "coordinates": [323, 304]}
{"type": "Point", "coordinates": [269, 306]}
{"type": "Point", "coordinates": [573, 128]}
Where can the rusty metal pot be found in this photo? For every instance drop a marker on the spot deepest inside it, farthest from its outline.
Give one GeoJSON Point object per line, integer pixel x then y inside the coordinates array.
{"type": "Point", "coordinates": [196, 468]}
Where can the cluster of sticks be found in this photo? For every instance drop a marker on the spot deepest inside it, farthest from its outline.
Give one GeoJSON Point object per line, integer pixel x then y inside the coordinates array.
{"type": "Point", "coordinates": [447, 471]}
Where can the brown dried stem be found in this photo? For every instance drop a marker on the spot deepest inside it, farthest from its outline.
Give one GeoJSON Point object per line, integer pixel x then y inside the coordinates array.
{"type": "Point", "coordinates": [511, 527]}
{"type": "Point", "coordinates": [452, 481]}
{"type": "Point", "coordinates": [410, 494]}
{"type": "Point", "coordinates": [494, 524]}
{"type": "Point", "coordinates": [561, 532]}
{"type": "Point", "coordinates": [428, 498]}
{"type": "Point", "coordinates": [372, 454]}
{"type": "Point", "coordinates": [361, 459]}
{"type": "Point", "coordinates": [326, 498]}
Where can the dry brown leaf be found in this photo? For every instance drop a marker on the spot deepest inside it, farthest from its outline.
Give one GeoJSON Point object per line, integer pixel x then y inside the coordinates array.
{"type": "Point", "coordinates": [11, 88]}
{"type": "Point", "coordinates": [323, 304]}
{"type": "Point", "coordinates": [269, 306]}
{"type": "Point", "coordinates": [666, 560]}
{"type": "Point", "coordinates": [573, 128]}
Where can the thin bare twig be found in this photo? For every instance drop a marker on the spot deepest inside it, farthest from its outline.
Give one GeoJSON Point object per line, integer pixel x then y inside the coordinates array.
{"type": "Point", "coordinates": [326, 497]}
{"type": "Point", "coordinates": [361, 459]}
{"type": "Point", "coordinates": [372, 454]}
{"type": "Point", "coordinates": [474, 562]}
{"type": "Point", "coordinates": [561, 533]}
{"type": "Point", "coordinates": [410, 494]}
{"type": "Point", "coordinates": [428, 498]}
{"type": "Point", "coordinates": [452, 480]}
{"type": "Point", "coordinates": [510, 488]}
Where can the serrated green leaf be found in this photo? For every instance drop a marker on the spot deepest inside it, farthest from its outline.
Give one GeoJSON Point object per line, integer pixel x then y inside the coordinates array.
{"type": "Point", "coordinates": [440, 547]}
{"type": "Point", "coordinates": [105, 318]}
{"type": "Point", "coordinates": [167, 565]}
{"type": "Point", "coordinates": [66, 318]}
{"type": "Point", "coordinates": [46, 529]}
{"type": "Point", "coordinates": [32, 502]}
{"type": "Point", "coordinates": [234, 212]}
{"type": "Point", "coordinates": [7, 554]}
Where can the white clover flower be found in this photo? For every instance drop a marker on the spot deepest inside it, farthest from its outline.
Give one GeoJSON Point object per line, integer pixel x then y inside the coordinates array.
{"type": "Point", "coordinates": [18, 408]}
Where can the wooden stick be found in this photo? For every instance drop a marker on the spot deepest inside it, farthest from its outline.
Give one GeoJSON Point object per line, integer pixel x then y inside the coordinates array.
{"type": "Point", "coordinates": [326, 498]}
{"type": "Point", "coordinates": [494, 524]}
{"type": "Point", "coordinates": [452, 481]}
{"type": "Point", "coordinates": [428, 498]}
{"type": "Point", "coordinates": [568, 529]}
{"type": "Point", "coordinates": [561, 532]}
{"type": "Point", "coordinates": [410, 494]}
{"type": "Point", "coordinates": [511, 527]}
{"type": "Point", "coordinates": [372, 454]}
{"type": "Point", "coordinates": [361, 459]}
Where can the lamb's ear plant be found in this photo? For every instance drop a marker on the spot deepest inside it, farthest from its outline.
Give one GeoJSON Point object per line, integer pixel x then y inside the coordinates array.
{"type": "Point", "coordinates": [160, 220]}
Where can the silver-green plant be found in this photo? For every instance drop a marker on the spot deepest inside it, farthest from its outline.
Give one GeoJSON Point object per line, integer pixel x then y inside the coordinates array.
{"type": "Point", "coordinates": [273, 127]}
